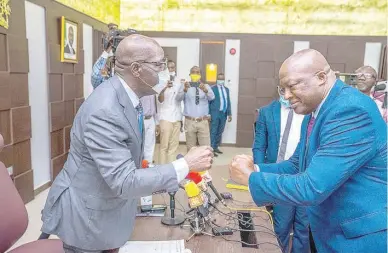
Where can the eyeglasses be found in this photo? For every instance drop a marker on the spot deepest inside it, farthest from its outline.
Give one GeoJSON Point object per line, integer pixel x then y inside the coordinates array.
{"type": "Point", "coordinates": [366, 75]}
{"type": "Point", "coordinates": [162, 64]}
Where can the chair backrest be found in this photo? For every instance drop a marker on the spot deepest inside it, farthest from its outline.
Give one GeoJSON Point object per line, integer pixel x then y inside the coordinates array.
{"type": "Point", "coordinates": [13, 213]}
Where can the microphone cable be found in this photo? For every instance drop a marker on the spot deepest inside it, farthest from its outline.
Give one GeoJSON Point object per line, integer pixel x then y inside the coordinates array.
{"type": "Point", "coordinates": [242, 242]}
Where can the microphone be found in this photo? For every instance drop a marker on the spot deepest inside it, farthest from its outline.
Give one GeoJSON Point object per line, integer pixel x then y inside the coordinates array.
{"type": "Point", "coordinates": [208, 179]}
{"type": "Point", "coordinates": [194, 194]}
{"type": "Point", "coordinates": [173, 220]}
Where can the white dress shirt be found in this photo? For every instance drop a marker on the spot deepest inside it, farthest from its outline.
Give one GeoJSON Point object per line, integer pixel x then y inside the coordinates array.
{"type": "Point", "coordinates": [294, 136]}
{"type": "Point", "coordinates": [221, 89]}
{"type": "Point", "coordinates": [170, 109]}
{"type": "Point", "coordinates": [181, 167]}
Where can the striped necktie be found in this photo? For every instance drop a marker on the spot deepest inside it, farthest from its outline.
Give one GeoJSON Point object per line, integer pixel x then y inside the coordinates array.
{"type": "Point", "coordinates": [140, 118]}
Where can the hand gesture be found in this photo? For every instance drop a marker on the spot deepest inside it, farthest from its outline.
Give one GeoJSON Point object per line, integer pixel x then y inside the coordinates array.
{"type": "Point", "coordinates": [187, 86]}
{"type": "Point", "coordinates": [199, 158]}
{"type": "Point", "coordinates": [241, 168]}
{"type": "Point", "coordinates": [203, 87]}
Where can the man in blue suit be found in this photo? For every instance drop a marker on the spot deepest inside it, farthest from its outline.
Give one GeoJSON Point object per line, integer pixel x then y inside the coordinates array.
{"type": "Point", "coordinates": [219, 109]}
{"type": "Point", "coordinates": [277, 135]}
{"type": "Point", "coordinates": [339, 169]}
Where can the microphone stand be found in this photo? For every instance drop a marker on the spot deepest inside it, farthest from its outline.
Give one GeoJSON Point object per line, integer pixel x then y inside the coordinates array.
{"type": "Point", "coordinates": [172, 220]}
{"type": "Point", "coordinates": [197, 224]}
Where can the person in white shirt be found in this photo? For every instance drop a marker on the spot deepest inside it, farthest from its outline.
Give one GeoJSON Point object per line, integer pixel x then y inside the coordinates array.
{"type": "Point", "coordinates": [170, 115]}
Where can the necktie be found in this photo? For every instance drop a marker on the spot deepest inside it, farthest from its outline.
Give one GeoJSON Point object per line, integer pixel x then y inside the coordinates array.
{"type": "Point", "coordinates": [140, 117]}
{"type": "Point", "coordinates": [196, 95]}
{"type": "Point", "coordinates": [223, 99]}
{"type": "Point", "coordinates": [286, 133]}
{"type": "Point", "coordinates": [310, 126]}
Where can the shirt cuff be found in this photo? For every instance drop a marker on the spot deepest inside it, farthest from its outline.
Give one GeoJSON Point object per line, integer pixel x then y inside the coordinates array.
{"type": "Point", "coordinates": [105, 55]}
{"type": "Point", "coordinates": [181, 168]}
{"type": "Point", "coordinates": [257, 168]}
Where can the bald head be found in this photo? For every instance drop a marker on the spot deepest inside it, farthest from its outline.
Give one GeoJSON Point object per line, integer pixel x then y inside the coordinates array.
{"type": "Point", "coordinates": [139, 60]}
{"type": "Point", "coordinates": [307, 61]}
{"type": "Point", "coordinates": [135, 48]}
{"type": "Point", "coordinates": [305, 78]}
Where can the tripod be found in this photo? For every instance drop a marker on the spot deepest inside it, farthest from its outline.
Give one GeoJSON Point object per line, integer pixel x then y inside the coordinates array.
{"type": "Point", "coordinates": [197, 224]}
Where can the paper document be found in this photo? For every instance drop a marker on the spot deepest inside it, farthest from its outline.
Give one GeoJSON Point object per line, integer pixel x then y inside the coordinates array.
{"type": "Point", "coordinates": [177, 246]}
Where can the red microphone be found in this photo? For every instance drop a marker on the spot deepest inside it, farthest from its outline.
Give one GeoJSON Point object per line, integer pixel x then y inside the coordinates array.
{"type": "Point", "coordinates": [197, 179]}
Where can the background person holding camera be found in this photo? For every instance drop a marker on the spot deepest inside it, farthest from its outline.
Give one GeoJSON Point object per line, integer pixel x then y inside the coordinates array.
{"type": "Point", "coordinates": [170, 115]}
{"type": "Point", "coordinates": [196, 96]}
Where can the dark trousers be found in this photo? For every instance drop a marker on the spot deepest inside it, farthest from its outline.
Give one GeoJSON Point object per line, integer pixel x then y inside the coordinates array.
{"type": "Point", "coordinates": [217, 127]}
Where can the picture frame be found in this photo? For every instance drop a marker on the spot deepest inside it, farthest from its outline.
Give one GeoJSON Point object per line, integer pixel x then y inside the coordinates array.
{"type": "Point", "coordinates": [69, 41]}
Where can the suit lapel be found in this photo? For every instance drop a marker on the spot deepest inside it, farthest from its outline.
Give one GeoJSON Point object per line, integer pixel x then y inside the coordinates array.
{"type": "Point", "coordinates": [129, 111]}
{"type": "Point", "coordinates": [306, 143]}
{"type": "Point", "coordinates": [303, 143]}
{"type": "Point", "coordinates": [276, 118]}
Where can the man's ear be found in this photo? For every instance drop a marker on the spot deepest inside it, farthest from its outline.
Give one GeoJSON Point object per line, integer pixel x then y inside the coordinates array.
{"type": "Point", "coordinates": [322, 77]}
{"type": "Point", "coordinates": [136, 69]}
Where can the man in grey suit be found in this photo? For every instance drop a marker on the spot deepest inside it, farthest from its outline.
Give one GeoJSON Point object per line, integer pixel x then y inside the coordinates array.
{"type": "Point", "coordinates": [92, 203]}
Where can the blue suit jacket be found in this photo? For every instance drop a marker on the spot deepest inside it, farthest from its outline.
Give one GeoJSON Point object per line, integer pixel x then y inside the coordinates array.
{"type": "Point", "coordinates": [214, 105]}
{"type": "Point", "coordinates": [267, 134]}
{"type": "Point", "coordinates": [341, 175]}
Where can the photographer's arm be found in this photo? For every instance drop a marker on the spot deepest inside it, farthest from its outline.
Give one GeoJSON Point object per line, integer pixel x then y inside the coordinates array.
{"type": "Point", "coordinates": [97, 77]}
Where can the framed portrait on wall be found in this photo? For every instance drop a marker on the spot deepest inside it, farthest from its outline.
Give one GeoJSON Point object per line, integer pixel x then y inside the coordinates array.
{"type": "Point", "coordinates": [69, 41]}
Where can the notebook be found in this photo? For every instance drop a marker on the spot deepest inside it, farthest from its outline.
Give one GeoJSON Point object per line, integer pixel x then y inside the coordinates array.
{"type": "Point", "coordinates": [175, 246]}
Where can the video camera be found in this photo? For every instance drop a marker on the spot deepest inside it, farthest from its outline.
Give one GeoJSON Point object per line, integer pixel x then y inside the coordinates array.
{"type": "Point", "coordinates": [114, 36]}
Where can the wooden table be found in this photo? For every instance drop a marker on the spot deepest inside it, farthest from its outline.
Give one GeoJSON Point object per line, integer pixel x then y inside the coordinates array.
{"type": "Point", "coordinates": [151, 229]}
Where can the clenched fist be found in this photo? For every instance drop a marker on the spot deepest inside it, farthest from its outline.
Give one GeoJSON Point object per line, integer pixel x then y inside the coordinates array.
{"type": "Point", "coordinates": [241, 168]}
{"type": "Point", "coordinates": [199, 158]}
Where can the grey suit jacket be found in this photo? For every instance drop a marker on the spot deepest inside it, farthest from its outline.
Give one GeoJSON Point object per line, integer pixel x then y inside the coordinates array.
{"type": "Point", "coordinates": [92, 202]}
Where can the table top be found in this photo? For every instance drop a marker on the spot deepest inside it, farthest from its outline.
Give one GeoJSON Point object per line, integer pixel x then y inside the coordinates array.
{"type": "Point", "coordinates": [151, 228]}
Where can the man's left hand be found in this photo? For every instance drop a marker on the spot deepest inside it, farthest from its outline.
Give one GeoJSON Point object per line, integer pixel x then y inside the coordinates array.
{"type": "Point", "coordinates": [203, 87]}
{"type": "Point", "coordinates": [157, 130]}
{"type": "Point", "coordinates": [230, 118]}
{"type": "Point", "coordinates": [241, 168]}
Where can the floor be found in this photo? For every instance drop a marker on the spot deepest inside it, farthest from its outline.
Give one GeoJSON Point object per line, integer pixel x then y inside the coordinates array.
{"type": "Point", "coordinates": [34, 207]}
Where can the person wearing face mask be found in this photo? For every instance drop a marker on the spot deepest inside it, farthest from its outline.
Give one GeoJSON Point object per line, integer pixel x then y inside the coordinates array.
{"type": "Point", "coordinates": [196, 96]}
{"type": "Point", "coordinates": [339, 168]}
{"type": "Point", "coordinates": [170, 115]}
{"type": "Point", "coordinates": [92, 203]}
{"type": "Point", "coordinates": [220, 109]}
{"type": "Point", "coordinates": [277, 135]}
{"type": "Point", "coordinates": [366, 80]}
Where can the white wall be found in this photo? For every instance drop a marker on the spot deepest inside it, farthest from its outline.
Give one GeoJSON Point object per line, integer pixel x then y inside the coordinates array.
{"type": "Point", "coordinates": [88, 58]}
{"type": "Point", "coordinates": [187, 57]}
{"type": "Point", "coordinates": [232, 74]}
{"type": "Point", "coordinates": [38, 93]}
{"type": "Point", "coordinates": [372, 55]}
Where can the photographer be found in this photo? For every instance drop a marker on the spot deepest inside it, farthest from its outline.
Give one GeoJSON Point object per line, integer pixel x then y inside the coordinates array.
{"type": "Point", "coordinates": [104, 67]}
{"type": "Point", "coordinates": [196, 96]}
{"type": "Point", "coordinates": [100, 71]}
{"type": "Point", "coordinates": [366, 80]}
